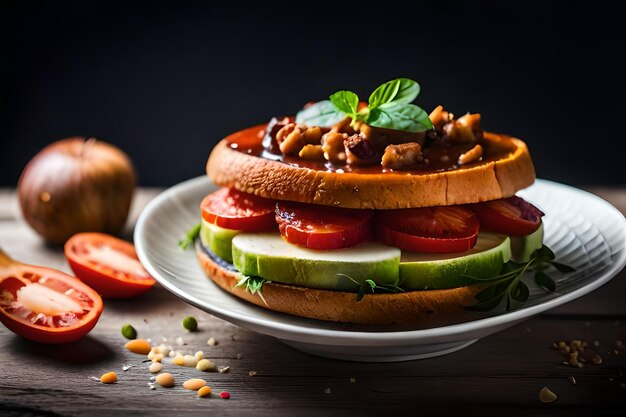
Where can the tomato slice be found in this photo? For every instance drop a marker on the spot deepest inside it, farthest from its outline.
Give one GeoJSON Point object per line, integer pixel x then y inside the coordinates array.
{"type": "Point", "coordinates": [232, 209]}
{"type": "Point", "coordinates": [428, 229]}
{"type": "Point", "coordinates": [46, 305]}
{"type": "Point", "coordinates": [322, 227]}
{"type": "Point", "coordinates": [107, 264]}
{"type": "Point", "coordinates": [511, 216]}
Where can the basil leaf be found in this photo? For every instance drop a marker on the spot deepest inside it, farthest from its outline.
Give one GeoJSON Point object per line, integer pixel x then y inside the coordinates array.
{"type": "Point", "coordinates": [408, 91]}
{"type": "Point", "coordinates": [385, 93]}
{"type": "Point", "coordinates": [399, 116]}
{"type": "Point", "coordinates": [543, 280]}
{"type": "Point", "coordinates": [323, 113]}
{"type": "Point", "coordinates": [346, 101]}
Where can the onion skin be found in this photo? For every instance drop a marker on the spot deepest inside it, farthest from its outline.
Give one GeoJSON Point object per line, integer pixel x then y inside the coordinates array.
{"type": "Point", "coordinates": [76, 185]}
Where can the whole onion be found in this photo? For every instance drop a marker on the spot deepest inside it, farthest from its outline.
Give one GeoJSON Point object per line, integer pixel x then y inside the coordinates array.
{"type": "Point", "coordinates": [76, 185]}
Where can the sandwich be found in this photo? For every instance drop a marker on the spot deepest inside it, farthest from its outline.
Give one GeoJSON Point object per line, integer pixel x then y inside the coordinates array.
{"type": "Point", "coordinates": [371, 212]}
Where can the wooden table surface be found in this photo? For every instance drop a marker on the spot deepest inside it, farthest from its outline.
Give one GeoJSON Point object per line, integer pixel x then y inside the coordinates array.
{"type": "Point", "coordinates": [502, 372]}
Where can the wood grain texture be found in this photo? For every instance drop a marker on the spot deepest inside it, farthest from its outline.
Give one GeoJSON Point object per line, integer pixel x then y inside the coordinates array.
{"type": "Point", "coordinates": [500, 374]}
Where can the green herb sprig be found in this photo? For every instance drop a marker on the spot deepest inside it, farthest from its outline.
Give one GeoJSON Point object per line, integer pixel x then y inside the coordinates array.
{"type": "Point", "coordinates": [389, 106]}
{"type": "Point", "coordinates": [253, 285]}
{"type": "Point", "coordinates": [190, 236]}
{"type": "Point", "coordinates": [509, 282]}
{"type": "Point", "coordinates": [370, 286]}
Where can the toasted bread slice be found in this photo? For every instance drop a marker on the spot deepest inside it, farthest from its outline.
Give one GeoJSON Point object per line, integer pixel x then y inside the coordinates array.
{"type": "Point", "coordinates": [491, 179]}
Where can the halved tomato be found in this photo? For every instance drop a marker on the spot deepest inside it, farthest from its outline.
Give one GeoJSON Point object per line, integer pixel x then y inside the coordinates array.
{"type": "Point", "coordinates": [107, 264]}
{"type": "Point", "coordinates": [232, 209]}
{"type": "Point", "coordinates": [45, 305]}
{"type": "Point", "coordinates": [429, 229]}
{"type": "Point", "coordinates": [322, 227]}
{"type": "Point", "coordinates": [511, 216]}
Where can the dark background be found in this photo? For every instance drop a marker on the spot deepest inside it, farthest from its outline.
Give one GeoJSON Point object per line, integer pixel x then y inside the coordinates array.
{"type": "Point", "coordinates": [166, 81]}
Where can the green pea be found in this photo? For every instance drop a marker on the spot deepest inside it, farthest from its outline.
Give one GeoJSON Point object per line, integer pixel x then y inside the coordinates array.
{"type": "Point", "coordinates": [129, 332]}
{"type": "Point", "coordinates": [190, 323]}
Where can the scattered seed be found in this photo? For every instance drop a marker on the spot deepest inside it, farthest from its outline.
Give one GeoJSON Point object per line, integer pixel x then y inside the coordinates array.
{"type": "Point", "coordinates": [165, 380]}
{"type": "Point", "coordinates": [151, 385]}
{"type": "Point", "coordinates": [129, 332]}
{"type": "Point", "coordinates": [199, 355]}
{"type": "Point", "coordinates": [597, 360]}
{"type": "Point", "coordinates": [211, 342]}
{"type": "Point", "coordinates": [596, 343]}
{"type": "Point", "coordinates": [327, 391]}
{"type": "Point", "coordinates": [239, 356]}
{"type": "Point", "coordinates": [224, 370]}
{"type": "Point", "coordinates": [555, 346]}
{"type": "Point", "coordinates": [108, 378]}
{"type": "Point", "coordinates": [225, 395]}
{"type": "Point", "coordinates": [126, 367]}
{"type": "Point", "coordinates": [252, 373]}
{"type": "Point", "coordinates": [180, 341]}
{"type": "Point", "coordinates": [573, 359]}
{"type": "Point", "coordinates": [204, 391]}
{"type": "Point", "coordinates": [616, 352]}
{"type": "Point", "coordinates": [572, 380]}
{"type": "Point", "coordinates": [194, 384]}
{"type": "Point", "coordinates": [205, 365]}
{"type": "Point", "coordinates": [171, 354]}
{"type": "Point", "coordinates": [353, 380]}
{"type": "Point", "coordinates": [190, 323]}
{"type": "Point", "coordinates": [165, 350]}
{"type": "Point", "coordinates": [156, 367]}
{"type": "Point", "coordinates": [179, 360]}
{"type": "Point", "coordinates": [190, 361]}
{"type": "Point", "coordinates": [547, 396]}
{"type": "Point", "coordinates": [561, 345]}
{"type": "Point", "coordinates": [138, 346]}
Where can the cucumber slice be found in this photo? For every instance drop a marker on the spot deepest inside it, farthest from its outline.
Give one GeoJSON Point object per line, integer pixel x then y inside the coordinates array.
{"type": "Point", "coordinates": [267, 255]}
{"type": "Point", "coordinates": [218, 240]}
{"type": "Point", "coordinates": [522, 247]}
{"type": "Point", "coordinates": [420, 271]}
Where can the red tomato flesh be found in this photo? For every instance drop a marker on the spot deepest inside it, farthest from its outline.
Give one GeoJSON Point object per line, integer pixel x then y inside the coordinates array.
{"type": "Point", "coordinates": [46, 305]}
{"type": "Point", "coordinates": [322, 227]}
{"type": "Point", "coordinates": [428, 229]}
{"type": "Point", "coordinates": [232, 209]}
{"type": "Point", "coordinates": [511, 216]}
{"type": "Point", "coordinates": [107, 264]}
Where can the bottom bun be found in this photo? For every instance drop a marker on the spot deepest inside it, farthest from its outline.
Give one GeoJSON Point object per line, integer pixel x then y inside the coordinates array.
{"type": "Point", "coordinates": [401, 308]}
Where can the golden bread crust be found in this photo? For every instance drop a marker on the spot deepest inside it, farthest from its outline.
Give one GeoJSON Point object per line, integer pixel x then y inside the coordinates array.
{"type": "Point", "coordinates": [390, 190]}
{"type": "Point", "coordinates": [401, 308]}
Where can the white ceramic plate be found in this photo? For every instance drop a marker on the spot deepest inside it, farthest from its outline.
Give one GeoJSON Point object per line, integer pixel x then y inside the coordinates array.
{"type": "Point", "coordinates": [584, 231]}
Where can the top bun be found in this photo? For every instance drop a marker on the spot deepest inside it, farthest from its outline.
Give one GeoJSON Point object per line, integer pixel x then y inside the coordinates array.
{"type": "Point", "coordinates": [506, 169]}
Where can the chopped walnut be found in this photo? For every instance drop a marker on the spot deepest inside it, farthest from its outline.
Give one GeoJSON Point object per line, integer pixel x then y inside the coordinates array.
{"type": "Point", "coordinates": [403, 156]}
{"type": "Point", "coordinates": [312, 153]}
{"type": "Point", "coordinates": [332, 145]}
{"type": "Point", "coordinates": [439, 117]}
{"type": "Point", "coordinates": [464, 130]}
{"type": "Point", "coordinates": [360, 151]}
{"type": "Point", "coordinates": [313, 135]}
{"type": "Point", "coordinates": [290, 139]}
{"type": "Point", "coordinates": [472, 155]}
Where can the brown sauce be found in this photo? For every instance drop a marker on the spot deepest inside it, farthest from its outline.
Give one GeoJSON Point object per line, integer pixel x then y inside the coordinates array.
{"type": "Point", "coordinates": [436, 157]}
